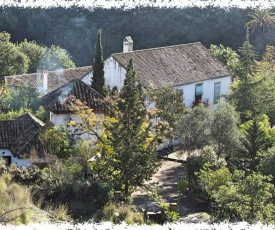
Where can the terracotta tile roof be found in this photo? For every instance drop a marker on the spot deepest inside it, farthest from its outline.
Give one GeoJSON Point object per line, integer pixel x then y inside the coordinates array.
{"type": "Point", "coordinates": [62, 99]}
{"type": "Point", "coordinates": [55, 78]}
{"type": "Point", "coordinates": [173, 65]}
{"type": "Point", "coordinates": [20, 135]}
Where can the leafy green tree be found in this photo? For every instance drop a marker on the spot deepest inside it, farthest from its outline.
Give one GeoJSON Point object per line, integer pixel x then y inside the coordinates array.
{"type": "Point", "coordinates": [56, 142]}
{"type": "Point", "coordinates": [198, 160]}
{"type": "Point", "coordinates": [227, 56]}
{"type": "Point", "coordinates": [128, 151]}
{"type": "Point", "coordinates": [213, 179]}
{"type": "Point", "coordinates": [82, 153]}
{"type": "Point", "coordinates": [200, 127]}
{"type": "Point", "coordinates": [13, 114]}
{"type": "Point", "coordinates": [15, 103]}
{"type": "Point", "coordinates": [55, 58]}
{"type": "Point", "coordinates": [12, 61]}
{"type": "Point", "coordinates": [193, 128]}
{"type": "Point", "coordinates": [63, 183]}
{"type": "Point", "coordinates": [240, 197]}
{"type": "Point", "coordinates": [224, 129]}
{"type": "Point", "coordinates": [34, 52]}
{"type": "Point", "coordinates": [98, 81]}
{"type": "Point", "coordinates": [5, 94]}
{"type": "Point", "coordinates": [41, 57]}
{"type": "Point", "coordinates": [168, 107]}
{"type": "Point", "coordinates": [24, 97]}
{"type": "Point", "coordinates": [268, 59]}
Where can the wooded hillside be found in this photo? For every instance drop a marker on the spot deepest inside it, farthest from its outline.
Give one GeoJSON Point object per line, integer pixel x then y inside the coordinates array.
{"type": "Point", "coordinates": [75, 28]}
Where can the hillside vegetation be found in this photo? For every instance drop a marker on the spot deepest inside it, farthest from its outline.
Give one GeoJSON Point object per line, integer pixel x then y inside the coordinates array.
{"type": "Point", "coordinates": [75, 28]}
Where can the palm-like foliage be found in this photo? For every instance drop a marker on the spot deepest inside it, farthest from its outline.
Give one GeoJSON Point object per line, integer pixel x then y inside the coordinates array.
{"type": "Point", "coordinates": [261, 18]}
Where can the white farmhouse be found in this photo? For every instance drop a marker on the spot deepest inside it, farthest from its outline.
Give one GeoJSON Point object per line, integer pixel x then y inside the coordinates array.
{"type": "Point", "coordinates": [188, 67]}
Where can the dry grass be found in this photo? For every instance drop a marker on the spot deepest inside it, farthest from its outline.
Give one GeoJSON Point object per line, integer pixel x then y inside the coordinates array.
{"type": "Point", "coordinates": [116, 213]}
{"type": "Point", "coordinates": [59, 211]}
{"type": "Point", "coordinates": [15, 202]}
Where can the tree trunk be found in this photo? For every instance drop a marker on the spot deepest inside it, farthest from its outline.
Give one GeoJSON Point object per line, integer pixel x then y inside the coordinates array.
{"type": "Point", "coordinates": [264, 39]}
{"type": "Point", "coordinates": [126, 189]}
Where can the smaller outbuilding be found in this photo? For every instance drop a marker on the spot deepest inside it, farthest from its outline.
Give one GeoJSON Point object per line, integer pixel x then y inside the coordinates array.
{"type": "Point", "coordinates": [64, 102]}
{"type": "Point", "coordinates": [46, 81]}
{"type": "Point", "coordinates": [19, 137]}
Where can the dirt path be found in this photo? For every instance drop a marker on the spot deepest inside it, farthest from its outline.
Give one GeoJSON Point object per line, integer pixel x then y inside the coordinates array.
{"type": "Point", "coordinates": [165, 182]}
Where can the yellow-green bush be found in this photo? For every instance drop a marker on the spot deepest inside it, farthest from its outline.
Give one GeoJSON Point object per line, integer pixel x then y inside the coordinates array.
{"type": "Point", "coordinates": [109, 212]}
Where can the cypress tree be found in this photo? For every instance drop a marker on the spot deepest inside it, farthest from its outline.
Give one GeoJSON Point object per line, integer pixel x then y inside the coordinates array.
{"type": "Point", "coordinates": [244, 91]}
{"type": "Point", "coordinates": [130, 101]}
{"type": "Point", "coordinates": [98, 81]}
{"type": "Point", "coordinates": [132, 159]}
{"type": "Point", "coordinates": [247, 58]}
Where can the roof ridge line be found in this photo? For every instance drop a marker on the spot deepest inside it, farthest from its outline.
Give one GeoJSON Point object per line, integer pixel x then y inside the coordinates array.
{"type": "Point", "coordinates": [36, 119]}
{"type": "Point", "coordinates": [50, 71]}
{"type": "Point", "coordinates": [155, 48]}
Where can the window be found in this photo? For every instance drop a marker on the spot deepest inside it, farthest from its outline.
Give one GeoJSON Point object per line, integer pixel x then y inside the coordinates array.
{"type": "Point", "coordinates": [8, 159]}
{"type": "Point", "coordinates": [217, 92]}
{"type": "Point", "coordinates": [198, 92]}
{"type": "Point", "coordinates": [179, 91]}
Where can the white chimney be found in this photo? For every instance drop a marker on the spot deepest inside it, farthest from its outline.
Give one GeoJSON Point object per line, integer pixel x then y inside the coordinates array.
{"type": "Point", "coordinates": [42, 81]}
{"type": "Point", "coordinates": [127, 44]}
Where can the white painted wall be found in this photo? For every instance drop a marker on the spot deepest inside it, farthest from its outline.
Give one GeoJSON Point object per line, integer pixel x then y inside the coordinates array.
{"type": "Point", "coordinates": [60, 119]}
{"type": "Point", "coordinates": [114, 74]}
{"type": "Point", "coordinates": [15, 160]}
{"type": "Point", "coordinates": [63, 119]}
{"type": "Point", "coordinates": [87, 78]}
{"type": "Point", "coordinates": [208, 91]}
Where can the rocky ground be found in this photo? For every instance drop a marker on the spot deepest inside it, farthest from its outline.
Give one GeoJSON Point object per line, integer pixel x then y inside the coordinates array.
{"type": "Point", "coordinates": [165, 183]}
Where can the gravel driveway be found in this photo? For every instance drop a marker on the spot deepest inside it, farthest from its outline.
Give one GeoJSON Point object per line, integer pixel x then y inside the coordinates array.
{"type": "Point", "coordinates": [165, 182]}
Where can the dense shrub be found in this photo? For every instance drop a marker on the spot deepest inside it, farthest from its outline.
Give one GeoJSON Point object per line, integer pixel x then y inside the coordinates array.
{"type": "Point", "coordinates": [197, 160]}
{"type": "Point", "coordinates": [55, 188]}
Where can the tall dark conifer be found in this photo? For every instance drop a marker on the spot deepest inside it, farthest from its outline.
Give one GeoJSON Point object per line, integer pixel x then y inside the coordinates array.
{"type": "Point", "coordinates": [247, 58]}
{"type": "Point", "coordinates": [244, 91]}
{"type": "Point", "coordinates": [130, 101]}
{"type": "Point", "coordinates": [98, 81]}
{"type": "Point", "coordinates": [133, 157]}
